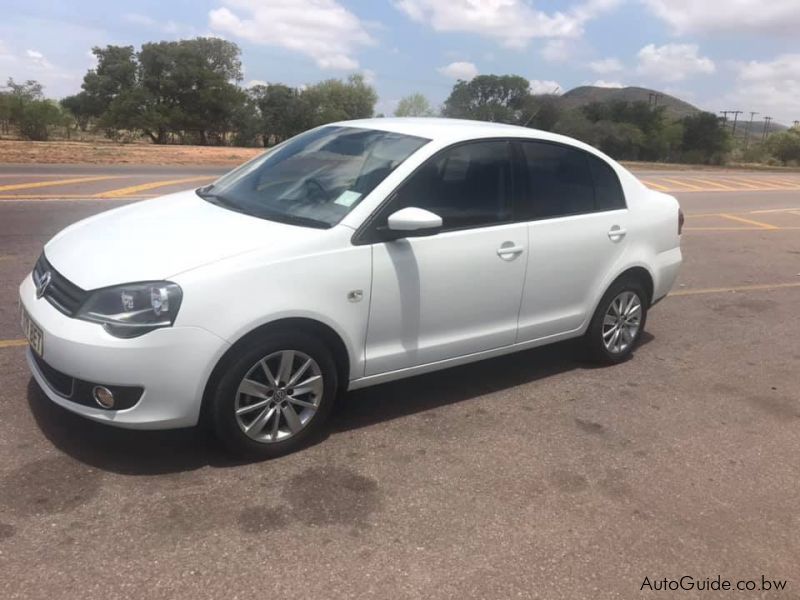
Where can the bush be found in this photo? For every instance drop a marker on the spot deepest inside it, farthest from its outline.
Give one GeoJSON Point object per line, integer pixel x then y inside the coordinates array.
{"type": "Point", "coordinates": [37, 117]}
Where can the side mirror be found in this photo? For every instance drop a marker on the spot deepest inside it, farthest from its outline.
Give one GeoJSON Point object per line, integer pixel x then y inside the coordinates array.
{"type": "Point", "coordinates": [414, 221]}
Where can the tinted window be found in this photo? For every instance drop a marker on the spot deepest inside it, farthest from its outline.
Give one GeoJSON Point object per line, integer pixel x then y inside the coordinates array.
{"type": "Point", "coordinates": [567, 181]}
{"type": "Point", "coordinates": [559, 181]}
{"type": "Point", "coordinates": [468, 185]}
{"type": "Point", "coordinates": [607, 189]}
{"type": "Point", "coordinates": [315, 178]}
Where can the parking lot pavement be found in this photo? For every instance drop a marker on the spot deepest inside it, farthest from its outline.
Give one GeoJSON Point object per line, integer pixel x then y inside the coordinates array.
{"type": "Point", "coordinates": [534, 475]}
{"type": "Point", "coordinates": [58, 182]}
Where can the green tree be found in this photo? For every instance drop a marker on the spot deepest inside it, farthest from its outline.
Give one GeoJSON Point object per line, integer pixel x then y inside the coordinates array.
{"type": "Point", "coordinates": [336, 100]}
{"type": "Point", "coordinates": [24, 106]}
{"type": "Point", "coordinates": [498, 98]}
{"type": "Point", "coordinates": [114, 74]}
{"type": "Point", "coordinates": [415, 105]}
{"type": "Point", "coordinates": [283, 111]}
{"type": "Point", "coordinates": [705, 139]}
{"type": "Point", "coordinates": [81, 108]}
{"type": "Point", "coordinates": [785, 146]}
{"type": "Point", "coordinates": [542, 111]}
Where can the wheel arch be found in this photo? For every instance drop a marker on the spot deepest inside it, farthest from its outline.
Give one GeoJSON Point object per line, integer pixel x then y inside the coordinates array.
{"type": "Point", "coordinates": [332, 340]}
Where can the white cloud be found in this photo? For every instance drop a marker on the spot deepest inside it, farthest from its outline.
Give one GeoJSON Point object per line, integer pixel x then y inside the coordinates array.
{"type": "Point", "coordinates": [544, 86]}
{"type": "Point", "coordinates": [38, 59]}
{"type": "Point", "coordinates": [5, 53]}
{"type": "Point", "coordinates": [673, 62]}
{"type": "Point", "coordinates": [606, 84]}
{"type": "Point", "coordinates": [694, 16]}
{"type": "Point", "coordinates": [320, 29]}
{"type": "Point", "coordinates": [150, 23]}
{"type": "Point", "coordinates": [369, 76]}
{"type": "Point", "coordinates": [605, 65]}
{"type": "Point", "coordinates": [255, 82]}
{"type": "Point", "coordinates": [556, 50]}
{"type": "Point", "coordinates": [769, 87]}
{"type": "Point", "coordinates": [459, 70]}
{"type": "Point", "coordinates": [513, 23]}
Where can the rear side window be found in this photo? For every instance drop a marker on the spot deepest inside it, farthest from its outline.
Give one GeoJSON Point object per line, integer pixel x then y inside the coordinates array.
{"type": "Point", "coordinates": [607, 189]}
{"type": "Point", "coordinates": [565, 181]}
{"type": "Point", "coordinates": [468, 185]}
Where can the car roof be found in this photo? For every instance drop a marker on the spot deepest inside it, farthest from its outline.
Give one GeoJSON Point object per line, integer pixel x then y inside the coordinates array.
{"type": "Point", "coordinates": [456, 130]}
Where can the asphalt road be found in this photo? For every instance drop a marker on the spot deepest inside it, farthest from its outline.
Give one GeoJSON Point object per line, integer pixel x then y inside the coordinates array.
{"type": "Point", "coordinates": [534, 475]}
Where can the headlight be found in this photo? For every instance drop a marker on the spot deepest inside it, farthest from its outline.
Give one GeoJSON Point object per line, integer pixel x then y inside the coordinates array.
{"type": "Point", "coordinates": [130, 310]}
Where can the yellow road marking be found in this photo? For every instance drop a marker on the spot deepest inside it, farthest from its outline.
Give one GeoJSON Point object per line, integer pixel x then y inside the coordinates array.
{"type": "Point", "coordinates": [748, 221]}
{"type": "Point", "coordinates": [765, 181]}
{"type": "Point", "coordinates": [64, 196]}
{"type": "Point", "coordinates": [680, 182]}
{"type": "Point", "coordinates": [740, 288]}
{"type": "Point", "coordinates": [792, 182]}
{"type": "Point", "coordinates": [715, 183]}
{"type": "Point", "coordinates": [651, 184]}
{"type": "Point", "coordinates": [13, 343]}
{"type": "Point", "coordinates": [126, 191]}
{"type": "Point", "coordinates": [740, 229]}
{"type": "Point", "coordinates": [40, 184]}
{"type": "Point", "coordinates": [772, 210]}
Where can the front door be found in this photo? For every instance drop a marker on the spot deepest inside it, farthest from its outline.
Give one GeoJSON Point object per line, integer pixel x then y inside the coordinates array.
{"type": "Point", "coordinates": [457, 292]}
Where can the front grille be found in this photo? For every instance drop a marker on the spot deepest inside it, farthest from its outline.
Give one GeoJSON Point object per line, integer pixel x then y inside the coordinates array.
{"type": "Point", "coordinates": [60, 292]}
{"type": "Point", "coordinates": [60, 382]}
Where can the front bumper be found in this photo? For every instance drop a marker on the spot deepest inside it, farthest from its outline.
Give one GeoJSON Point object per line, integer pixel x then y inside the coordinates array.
{"type": "Point", "coordinates": [171, 364]}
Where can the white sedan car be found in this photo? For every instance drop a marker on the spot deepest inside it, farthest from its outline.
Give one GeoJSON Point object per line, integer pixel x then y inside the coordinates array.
{"type": "Point", "coordinates": [353, 254]}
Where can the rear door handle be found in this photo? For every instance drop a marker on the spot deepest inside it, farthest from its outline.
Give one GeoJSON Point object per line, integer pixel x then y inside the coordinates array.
{"type": "Point", "coordinates": [509, 250]}
{"type": "Point", "coordinates": [616, 233]}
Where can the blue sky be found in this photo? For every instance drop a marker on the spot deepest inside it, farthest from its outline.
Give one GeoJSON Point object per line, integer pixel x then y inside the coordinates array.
{"type": "Point", "coordinates": [742, 55]}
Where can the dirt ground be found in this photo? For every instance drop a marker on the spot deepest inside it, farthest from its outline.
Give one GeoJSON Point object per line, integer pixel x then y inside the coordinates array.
{"type": "Point", "coordinates": [102, 152]}
{"type": "Point", "coordinates": [110, 153]}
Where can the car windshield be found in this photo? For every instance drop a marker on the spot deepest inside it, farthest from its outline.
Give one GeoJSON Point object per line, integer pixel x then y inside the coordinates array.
{"type": "Point", "coordinates": [315, 178]}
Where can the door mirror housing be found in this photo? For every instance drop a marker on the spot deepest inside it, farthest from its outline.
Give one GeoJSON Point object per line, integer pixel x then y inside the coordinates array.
{"type": "Point", "coordinates": [412, 221]}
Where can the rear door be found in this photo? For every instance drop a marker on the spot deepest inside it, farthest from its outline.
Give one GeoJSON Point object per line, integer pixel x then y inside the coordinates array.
{"type": "Point", "coordinates": [577, 222]}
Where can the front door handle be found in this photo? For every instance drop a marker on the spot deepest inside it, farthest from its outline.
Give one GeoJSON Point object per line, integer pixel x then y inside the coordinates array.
{"type": "Point", "coordinates": [616, 233]}
{"type": "Point", "coordinates": [509, 250]}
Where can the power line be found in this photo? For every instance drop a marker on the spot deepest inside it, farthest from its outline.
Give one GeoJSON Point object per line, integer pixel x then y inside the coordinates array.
{"type": "Point", "coordinates": [736, 114]}
{"type": "Point", "coordinates": [766, 128]}
{"type": "Point", "coordinates": [749, 127]}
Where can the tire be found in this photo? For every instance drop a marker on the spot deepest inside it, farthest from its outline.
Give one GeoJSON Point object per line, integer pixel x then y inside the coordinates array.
{"type": "Point", "coordinates": [246, 384]}
{"type": "Point", "coordinates": [622, 344]}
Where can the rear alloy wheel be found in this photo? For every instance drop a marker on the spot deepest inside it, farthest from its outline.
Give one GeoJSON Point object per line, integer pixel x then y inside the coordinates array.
{"type": "Point", "coordinates": [618, 322]}
{"type": "Point", "coordinates": [275, 395]}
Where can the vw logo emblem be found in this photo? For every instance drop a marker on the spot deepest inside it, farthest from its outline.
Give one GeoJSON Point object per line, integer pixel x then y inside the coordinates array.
{"type": "Point", "coordinates": [41, 285]}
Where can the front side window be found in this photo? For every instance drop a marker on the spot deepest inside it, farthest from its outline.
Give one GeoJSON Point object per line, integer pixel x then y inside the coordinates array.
{"type": "Point", "coordinates": [316, 178]}
{"type": "Point", "coordinates": [468, 185]}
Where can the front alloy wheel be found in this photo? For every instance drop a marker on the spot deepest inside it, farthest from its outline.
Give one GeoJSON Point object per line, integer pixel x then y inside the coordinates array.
{"type": "Point", "coordinates": [274, 394]}
{"type": "Point", "coordinates": [279, 396]}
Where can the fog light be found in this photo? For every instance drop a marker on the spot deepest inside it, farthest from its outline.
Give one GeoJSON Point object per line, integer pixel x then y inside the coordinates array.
{"type": "Point", "coordinates": [103, 396]}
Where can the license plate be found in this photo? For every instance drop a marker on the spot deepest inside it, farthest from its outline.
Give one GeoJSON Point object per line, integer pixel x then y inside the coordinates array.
{"type": "Point", "coordinates": [32, 332]}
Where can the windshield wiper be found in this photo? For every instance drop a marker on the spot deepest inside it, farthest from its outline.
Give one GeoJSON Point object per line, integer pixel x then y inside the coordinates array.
{"type": "Point", "coordinates": [293, 219]}
{"type": "Point", "coordinates": [218, 199]}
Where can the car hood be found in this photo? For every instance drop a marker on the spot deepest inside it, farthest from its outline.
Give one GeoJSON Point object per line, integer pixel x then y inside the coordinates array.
{"type": "Point", "coordinates": [159, 238]}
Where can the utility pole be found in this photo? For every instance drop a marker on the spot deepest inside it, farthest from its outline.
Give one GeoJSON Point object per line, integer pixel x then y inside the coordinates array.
{"type": "Point", "coordinates": [735, 114]}
{"type": "Point", "coordinates": [749, 127]}
{"type": "Point", "coordinates": [766, 128]}
{"type": "Point", "coordinates": [796, 123]}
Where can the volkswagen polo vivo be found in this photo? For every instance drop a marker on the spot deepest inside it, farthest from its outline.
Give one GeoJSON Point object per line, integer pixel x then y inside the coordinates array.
{"type": "Point", "coordinates": [353, 254]}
